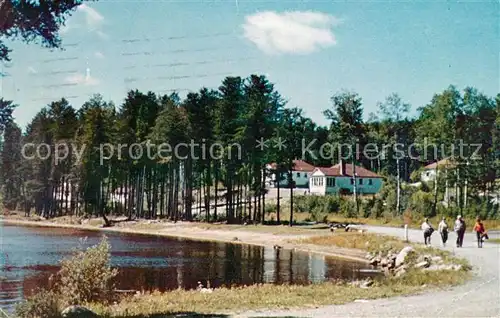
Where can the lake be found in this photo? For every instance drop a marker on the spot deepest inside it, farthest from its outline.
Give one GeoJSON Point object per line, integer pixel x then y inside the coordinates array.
{"type": "Point", "coordinates": [30, 255]}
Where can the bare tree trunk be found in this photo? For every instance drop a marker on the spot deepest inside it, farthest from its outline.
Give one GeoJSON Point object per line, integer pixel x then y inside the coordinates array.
{"type": "Point", "coordinates": [398, 196]}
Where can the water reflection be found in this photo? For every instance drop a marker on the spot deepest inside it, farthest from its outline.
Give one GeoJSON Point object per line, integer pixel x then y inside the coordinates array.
{"type": "Point", "coordinates": [30, 255]}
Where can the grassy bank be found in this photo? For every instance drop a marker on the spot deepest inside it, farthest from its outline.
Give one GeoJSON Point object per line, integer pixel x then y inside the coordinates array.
{"type": "Point", "coordinates": [375, 243]}
{"type": "Point", "coordinates": [234, 300]}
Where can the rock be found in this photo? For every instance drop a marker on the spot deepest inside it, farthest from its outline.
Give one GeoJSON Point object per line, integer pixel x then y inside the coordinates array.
{"type": "Point", "coordinates": [400, 259]}
{"type": "Point", "coordinates": [436, 260]}
{"type": "Point", "coordinates": [384, 262]}
{"type": "Point", "coordinates": [423, 264]}
{"type": "Point", "coordinates": [400, 273]}
{"type": "Point", "coordinates": [374, 261]}
{"type": "Point", "coordinates": [369, 256]}
{"type": "Point", "coordinates": [387, 272]}
{"type": "Point", "coordinates": [366, 284]}
{"type": "Point", "coordinates": [360, 301]}
{"type": "Point", "coordinates": [78, 312]}
{"type": "Point", "coordinates": [392, 264]}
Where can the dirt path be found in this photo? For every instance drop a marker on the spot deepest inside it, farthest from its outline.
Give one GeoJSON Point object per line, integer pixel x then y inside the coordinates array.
{"type": "Point", "coordinates": [478, 298]}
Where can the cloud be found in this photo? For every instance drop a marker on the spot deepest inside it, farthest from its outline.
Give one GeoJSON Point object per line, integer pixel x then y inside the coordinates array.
{"type": "Point", "coordinates": [99, 55]}
{"type": "Point", "coordinates": [93, 18]}
{"type": "Point", "coordinates": [32, 70]}
{"type": "Point", "coordinates": [80, 79]}
{"type": "Point", "coordinates": [93, 21]}
{"type": "Point", "coordinates": [293, 32]}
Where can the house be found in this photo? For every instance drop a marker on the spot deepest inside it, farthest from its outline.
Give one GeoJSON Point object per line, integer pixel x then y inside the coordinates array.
{"type": "Point", "coordinates": [429, 172]}
{"type": "Point", "coordinates": [339, 179]}
{"type": "Point", "coordinates": [300, 175]}
{"type": "Point", "coordinates": [432, 170]}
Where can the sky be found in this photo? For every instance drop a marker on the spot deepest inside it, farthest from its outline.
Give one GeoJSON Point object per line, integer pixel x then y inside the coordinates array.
{"type": "Point", "coordinates": [310, 50]}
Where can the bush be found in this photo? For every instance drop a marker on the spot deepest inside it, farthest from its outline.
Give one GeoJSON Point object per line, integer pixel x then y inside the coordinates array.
{"type": "Point", "coordinates": [271, 208]}
{"type": "Point", "coordinates": [422, 202]}
{"type": "Point", "coordinates": [43, 304]}
{"type": "Point", "coordinates": [87, 276]}
{"type": "Point", "coordinates": [348, 208]}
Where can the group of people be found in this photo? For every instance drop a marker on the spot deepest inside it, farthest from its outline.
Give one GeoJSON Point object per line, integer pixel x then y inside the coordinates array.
{"type": "Point", "coordinates": [459, 228]}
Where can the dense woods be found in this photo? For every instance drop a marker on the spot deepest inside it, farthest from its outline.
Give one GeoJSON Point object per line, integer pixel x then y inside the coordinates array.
{"type": "Point", "coordinates": [204, 157]}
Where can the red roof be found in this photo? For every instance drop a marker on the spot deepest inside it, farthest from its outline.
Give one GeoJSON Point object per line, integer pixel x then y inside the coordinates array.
{"type": "Point", "coordinates": [298, 165]}
{"type": "Point", "coordinates": [441, 164]}
{"type": "Point", "coordinates": [334, 171]}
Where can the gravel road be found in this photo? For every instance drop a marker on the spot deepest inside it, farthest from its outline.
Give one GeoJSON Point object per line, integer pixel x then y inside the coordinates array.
{"type": "Point", "coordinates": [480, 297]}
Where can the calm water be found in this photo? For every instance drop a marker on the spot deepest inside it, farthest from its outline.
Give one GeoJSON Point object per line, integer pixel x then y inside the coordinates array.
{"type": "Point", "coordinates": [30, 254]}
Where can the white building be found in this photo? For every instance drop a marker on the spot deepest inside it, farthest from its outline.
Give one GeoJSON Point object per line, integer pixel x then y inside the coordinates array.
{"type": "Point", "coordinates": [339, 179]}
{"type": "Point", "coordinates": [430, 171]}
{"type": "Point", "coordinates": [300, 175]}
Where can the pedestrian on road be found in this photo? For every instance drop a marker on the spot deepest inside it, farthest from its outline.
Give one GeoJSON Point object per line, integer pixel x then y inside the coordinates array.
{"type": "Point", "coordinates": [427, 229]}
{"type": "Point", "coordinates": [460, 230]}
{"type": "Point", "coordinates": [443, 230]}
{"type": "Point", "coordinates": [480, 232]}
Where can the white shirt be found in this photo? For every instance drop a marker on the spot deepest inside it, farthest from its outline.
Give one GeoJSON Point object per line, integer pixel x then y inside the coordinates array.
{"type": "Point", "coordinates": [442, 226]}
{"type": "Point", "coordinates": [426, 226]}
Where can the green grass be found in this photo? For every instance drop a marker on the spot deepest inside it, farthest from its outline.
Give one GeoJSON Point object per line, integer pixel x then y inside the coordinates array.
{"type": "Point", "coordinates": [494, 240]}
{"type": "Point", "coordinates": [379, 243]}
{"type": "Point", "coordinates": [239, 299]}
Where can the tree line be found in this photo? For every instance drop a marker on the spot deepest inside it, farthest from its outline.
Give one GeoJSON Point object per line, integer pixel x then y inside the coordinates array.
{"type": "Point", "coordinates": [231, 186]}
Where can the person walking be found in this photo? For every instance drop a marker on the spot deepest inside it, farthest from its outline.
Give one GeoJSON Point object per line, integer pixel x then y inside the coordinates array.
{"type": "Point", "coordinates": [427, 229]}
{"type": "Point", "coordinates": [460, 230]}
{"type": "Point", "coordinates": [443, 230]}
{"type": "Point", "coordinates": [480, 232]}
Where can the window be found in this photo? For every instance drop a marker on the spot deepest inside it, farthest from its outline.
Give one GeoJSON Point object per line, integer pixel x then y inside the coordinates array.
{"type": "Point", "coordinates": [330, 182]}
{"type": "Point", "coordinates": [370, 182]}
{"type": "Point", "coordinates": [352, 181]}
{"type": "Point", "coordinates": [360, 181]}
{"type": "Point", "coordinates": [298, 174]}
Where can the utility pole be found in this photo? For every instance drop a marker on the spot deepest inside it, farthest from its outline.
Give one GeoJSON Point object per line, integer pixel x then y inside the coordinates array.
{"type": "Point", "coordinates": [398, 195]}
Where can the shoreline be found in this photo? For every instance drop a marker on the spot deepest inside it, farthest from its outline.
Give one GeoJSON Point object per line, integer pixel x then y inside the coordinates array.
{"type": "Point", "coordinates": [192, 231]}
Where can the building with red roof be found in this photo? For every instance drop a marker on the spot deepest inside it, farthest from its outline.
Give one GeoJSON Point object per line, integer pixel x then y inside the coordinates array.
{"type": "Point", "coordinates": [300, 175]}
{"type": "Point", "coordinates": [342, 177]}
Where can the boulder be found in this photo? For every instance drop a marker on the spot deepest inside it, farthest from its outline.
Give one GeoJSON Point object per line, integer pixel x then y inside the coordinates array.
{"type": "Point", "coordinates": [401, 258]}
{"type": "Point", "coordinates": [436, 260]}
{"type": "Point", "coordinates": [392, 264]}
{"type": "Point", "coordinates": [374, 261]}
{"type": "Point", "coordinates": [384, 262]}
{"type": "Point", "coordinates": [366, 284]}
{"type": "Point", "coordinates": [423, 264]}
{"type": "Point", "coordinates": [78, 312]}
{"type": "Point", "coordinates": [400, 272]}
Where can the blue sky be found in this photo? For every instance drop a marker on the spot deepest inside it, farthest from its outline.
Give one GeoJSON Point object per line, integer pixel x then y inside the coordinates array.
{"type": "Point", "coordinates": [309, 49]}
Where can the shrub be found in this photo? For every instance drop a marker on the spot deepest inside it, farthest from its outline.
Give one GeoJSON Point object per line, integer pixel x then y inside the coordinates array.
{"type": "Point", "coordinates": [271, 208]}
{"type": "Point", "coordinates": [43, 304]}
{"type": "Point", "coordinates": [348, 208]}
{"type": "Point", "coordinates": [422, 202]}
{"type": "Point", "coordinates": [87, 276]}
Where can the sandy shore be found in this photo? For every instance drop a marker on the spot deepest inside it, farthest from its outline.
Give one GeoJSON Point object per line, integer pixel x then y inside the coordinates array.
{"type": "Point", "coordinates": [194, 231]}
